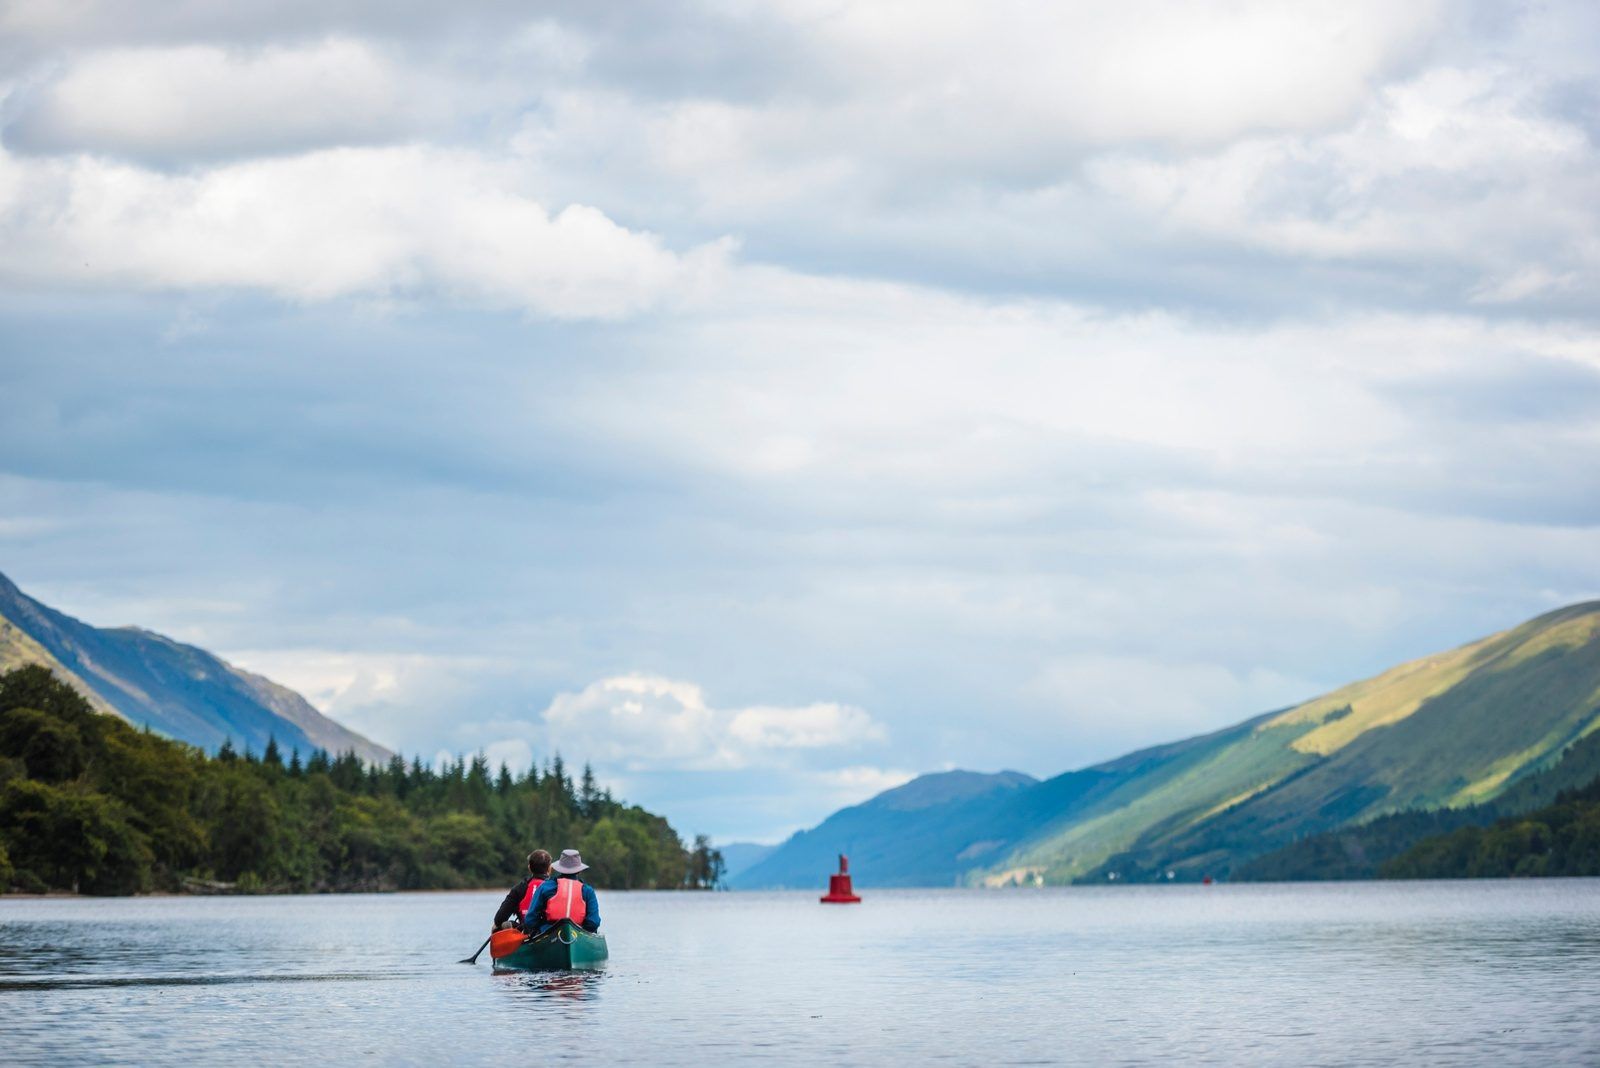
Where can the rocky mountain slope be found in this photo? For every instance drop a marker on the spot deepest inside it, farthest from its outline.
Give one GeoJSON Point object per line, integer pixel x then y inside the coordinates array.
{"type": "Point", "coordinates": [178, 690]}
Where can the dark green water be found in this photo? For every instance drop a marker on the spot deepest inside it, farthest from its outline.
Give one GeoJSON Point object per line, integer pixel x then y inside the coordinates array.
{"type": "Point", "coordinates": [1442, 973]}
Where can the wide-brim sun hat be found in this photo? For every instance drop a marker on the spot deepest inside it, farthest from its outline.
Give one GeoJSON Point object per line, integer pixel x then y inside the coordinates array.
{"type": "Point", "coordinates": [570, 863]}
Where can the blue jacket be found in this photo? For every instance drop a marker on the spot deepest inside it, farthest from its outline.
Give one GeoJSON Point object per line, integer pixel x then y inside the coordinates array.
{"type": "Point", "coordinates": [533, 919]}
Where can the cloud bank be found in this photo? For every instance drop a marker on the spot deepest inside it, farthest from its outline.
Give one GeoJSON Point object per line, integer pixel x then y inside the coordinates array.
{"type": "Point", "coordinates": [931, 383]}
{"type": "Point", "coordinates": [641, 722]}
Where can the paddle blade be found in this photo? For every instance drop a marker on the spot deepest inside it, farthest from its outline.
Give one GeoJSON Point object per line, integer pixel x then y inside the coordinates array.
{"type": "Point", "coordinates": [474, 958]}
{"type": "Point", "coordinates": [505, 943]}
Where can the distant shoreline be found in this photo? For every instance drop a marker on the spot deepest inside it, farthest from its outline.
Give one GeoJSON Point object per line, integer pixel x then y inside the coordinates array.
{"type": "Point", "coordinates": [69, 895]}
{"type": "Point", "coordinates": [8, 896]}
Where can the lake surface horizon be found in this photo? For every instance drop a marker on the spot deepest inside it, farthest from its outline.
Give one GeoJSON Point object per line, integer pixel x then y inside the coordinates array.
{"type": "Point", "coordinates": [1318, 973]}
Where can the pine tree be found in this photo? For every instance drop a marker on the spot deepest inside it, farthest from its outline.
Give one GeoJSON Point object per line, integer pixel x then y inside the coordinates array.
{"type": "Point", "coordinates": [588, 794]}
{"type": "Point", "coordinates": [271, 757]}
{"type": "Point", "coordinates": [478, 783]}
{"type": "Point", "coordinates": [396, 775]}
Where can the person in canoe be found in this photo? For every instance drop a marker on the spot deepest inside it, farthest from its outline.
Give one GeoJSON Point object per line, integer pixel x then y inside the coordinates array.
{"type": "Point", "coordinates": [515, 906]}
{"type": "Point", "coordinates": [563, 896]}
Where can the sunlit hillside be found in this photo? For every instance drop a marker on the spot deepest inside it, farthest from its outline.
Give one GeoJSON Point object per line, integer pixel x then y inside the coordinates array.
{"type": "Point", "coordinates": [1444, 731]}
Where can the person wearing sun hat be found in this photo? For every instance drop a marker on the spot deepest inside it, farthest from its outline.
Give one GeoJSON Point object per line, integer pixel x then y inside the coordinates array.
{"type": "Point", "coordinates": [564, 896]}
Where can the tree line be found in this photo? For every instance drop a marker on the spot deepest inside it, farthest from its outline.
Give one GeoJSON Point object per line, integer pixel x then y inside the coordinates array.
{"type": "Point", "coordinates": [1547, 823]}
{"type": "Point", "coordinates": [91, 804]}
{"type": "Point", "coordinates": [1560, 839]}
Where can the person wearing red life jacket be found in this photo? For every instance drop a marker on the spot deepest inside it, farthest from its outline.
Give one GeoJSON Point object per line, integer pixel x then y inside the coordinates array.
{"type": "Point", "coordinates": [515, 906]}
{"type": "Point", "coordinates": [563, 897]}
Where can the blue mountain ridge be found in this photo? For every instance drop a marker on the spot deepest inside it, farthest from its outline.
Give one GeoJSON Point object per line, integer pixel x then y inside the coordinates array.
{"type": "Point", "coordinates": [906, 836]}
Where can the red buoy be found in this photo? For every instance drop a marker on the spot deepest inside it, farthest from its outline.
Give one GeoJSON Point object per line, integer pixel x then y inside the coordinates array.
{"type": "Point", "coordinates": [839, 891]}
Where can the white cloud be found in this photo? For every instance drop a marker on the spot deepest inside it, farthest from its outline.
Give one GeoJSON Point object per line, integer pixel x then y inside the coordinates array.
{"type": "Point", "coordinates": [384, 695]}
{"type": "Point", "coordinates": [1110, 697]}
{"type": "Point", "coordinates": [645, 722]}
{"type": "Point", "coordinates": [817, 726]}
{"type": "Point", "coordinates": [513, 753]}
{"type": "Point", "coordinates": [356, 222]}
{"type": "Point", "coordinates": [1435, 168]}
{"type": "Point", "coordinates": [337, 681]}
{"type": "Point", "coordinates": [1190, 73]}
{"type": "Point", "coordinates": [965, 412]}
{"type": "Point", "coordinates": [1003, 142]}
{"type": "Point", "coordinates": [203, 101]}
{"type": "Point", "coordinates": [904, 92]}
{"type": "Point", "coordinates": [858, 782]}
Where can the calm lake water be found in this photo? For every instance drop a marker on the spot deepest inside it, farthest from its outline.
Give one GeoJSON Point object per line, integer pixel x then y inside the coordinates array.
{"type": "Point", "coordinates": [1445, 973]}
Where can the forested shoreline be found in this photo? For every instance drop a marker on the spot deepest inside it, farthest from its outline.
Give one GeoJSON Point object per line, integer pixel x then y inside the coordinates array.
{"type": "Point", "coordinates": [1546, 824]}
{"type": "Point", "coordinates": [90, 804]}
{"type": "Point", "coordinates": [1560, 839]}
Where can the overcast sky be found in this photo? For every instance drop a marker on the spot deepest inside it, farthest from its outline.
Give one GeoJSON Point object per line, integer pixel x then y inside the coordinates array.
{"type": "Point", "coordinates": [770, 401]}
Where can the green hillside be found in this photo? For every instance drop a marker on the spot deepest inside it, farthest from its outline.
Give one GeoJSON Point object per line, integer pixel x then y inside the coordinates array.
{"type": "Point", "coordinates": [1360, 851]}
{"type": "Point", "coordinates": [1445, 731]}
{"type": "Point", "coordinates": [1441, 739]}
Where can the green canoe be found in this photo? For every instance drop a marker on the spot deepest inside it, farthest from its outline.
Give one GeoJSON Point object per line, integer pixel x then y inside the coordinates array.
{"type": "Point", "coordinates": [564, 946]}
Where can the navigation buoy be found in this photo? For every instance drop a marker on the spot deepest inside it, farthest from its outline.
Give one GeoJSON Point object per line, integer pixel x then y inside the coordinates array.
{"type": "Point", "coordinates": [839, 891]}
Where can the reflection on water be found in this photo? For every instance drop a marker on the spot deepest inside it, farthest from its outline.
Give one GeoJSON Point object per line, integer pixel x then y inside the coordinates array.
{"type": "Point", "coordinates": [178, 980]}
{"type": "Point", "coordinates": [1444, 973]}
{"type": "Point", "coordinates": [559, 986]}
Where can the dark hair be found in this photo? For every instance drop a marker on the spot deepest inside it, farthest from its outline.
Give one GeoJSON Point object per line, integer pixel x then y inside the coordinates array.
{"type": "Point", "coordinates": [539, 862]}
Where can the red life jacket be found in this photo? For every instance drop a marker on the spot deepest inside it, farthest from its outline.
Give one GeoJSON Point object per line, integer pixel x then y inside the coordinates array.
{"type": "Point", "coordinates": [527, 899]}
{"type": "Point", "coordinates": [567, 903]}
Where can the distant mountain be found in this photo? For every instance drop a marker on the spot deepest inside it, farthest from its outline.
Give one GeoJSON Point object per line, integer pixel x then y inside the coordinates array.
{"type": "Point", "coordinates": [925, 833]}
{"type": "Point", "coordinates": [738, 856]}
{"type": "Point", "coordinates": [1452, 730]}
{"type": "Point", "coordinates": [178, 690]}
